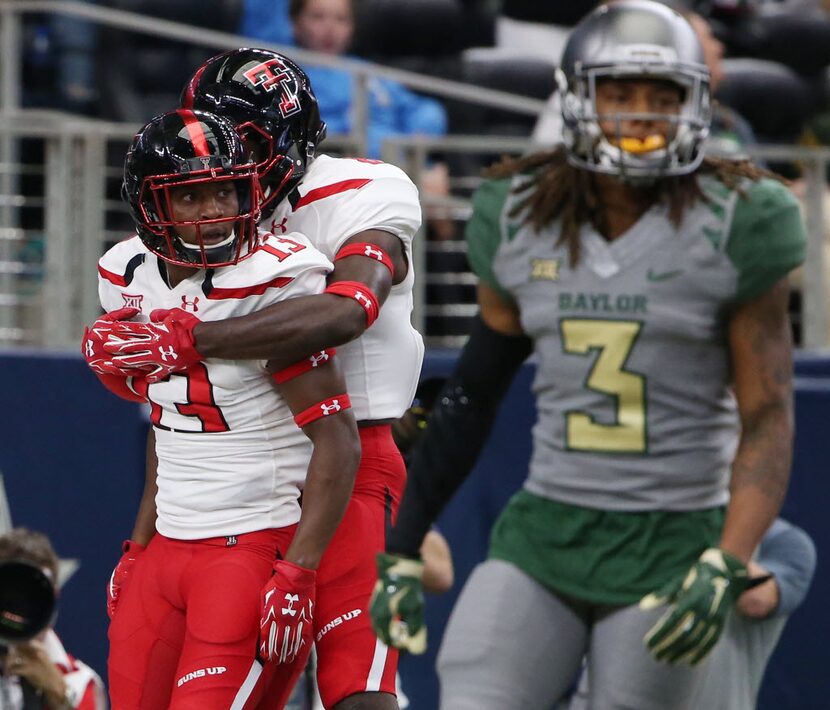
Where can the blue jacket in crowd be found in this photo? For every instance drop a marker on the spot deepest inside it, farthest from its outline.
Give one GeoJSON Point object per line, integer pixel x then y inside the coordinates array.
{"type": "Point", "coordinates": [393, 109]}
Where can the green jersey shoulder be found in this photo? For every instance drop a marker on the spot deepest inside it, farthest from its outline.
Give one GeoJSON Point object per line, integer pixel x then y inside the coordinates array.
{"type": "Point", "coordinates": [766, 238]}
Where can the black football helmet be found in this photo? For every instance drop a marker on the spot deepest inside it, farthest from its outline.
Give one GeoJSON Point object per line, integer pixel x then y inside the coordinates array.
{"type": "Point", "coordinates": [637, 39]}
{"type": "Point", "coordinates": [270, 101]}
{"type": "Point", "coordinates": [186, 147]}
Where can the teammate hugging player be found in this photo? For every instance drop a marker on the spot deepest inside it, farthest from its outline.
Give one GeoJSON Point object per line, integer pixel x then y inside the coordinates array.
{"type": "Point", "coordinates": [651, 284]}
{"type": "Point", "coordinates": [223, 594]}
{"type": "Point", "coordinates": [363, 215]}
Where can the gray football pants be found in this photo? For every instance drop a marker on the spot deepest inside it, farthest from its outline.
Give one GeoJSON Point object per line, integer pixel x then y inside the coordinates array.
{"type": "Point", "coordinates": [510, 644]}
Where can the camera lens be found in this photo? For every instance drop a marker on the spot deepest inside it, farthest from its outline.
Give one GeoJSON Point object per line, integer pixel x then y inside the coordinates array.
{"type": "Point", "coordinates": [27, 601]}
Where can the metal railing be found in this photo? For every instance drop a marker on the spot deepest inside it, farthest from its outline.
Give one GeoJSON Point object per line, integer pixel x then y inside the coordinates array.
{"type": "Point", "coordinates": [59, 213]}
{"type": "Point", "coordinates": [51, 236]}
{"type": "Point", "coordinates": [10, 50]}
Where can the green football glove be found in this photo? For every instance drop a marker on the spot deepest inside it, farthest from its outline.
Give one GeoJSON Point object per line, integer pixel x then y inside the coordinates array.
{"type": "Point", "coordinates": [698, 606]}
{"type": "Point", "coordinates": [397, 604]}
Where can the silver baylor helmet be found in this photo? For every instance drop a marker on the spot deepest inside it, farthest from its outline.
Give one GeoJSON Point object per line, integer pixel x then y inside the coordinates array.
{"type": "Point", "coordinates": [637, 39]}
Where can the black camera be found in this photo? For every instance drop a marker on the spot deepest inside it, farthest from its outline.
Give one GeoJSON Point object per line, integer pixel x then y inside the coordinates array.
{"type": "Point", "coordinates": [27, 601]}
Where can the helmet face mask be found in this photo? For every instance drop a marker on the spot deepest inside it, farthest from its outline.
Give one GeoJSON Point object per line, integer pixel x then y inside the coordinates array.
{"type": "Point", "coordinates": [277, 161]}
{"type": "Point", "coordinates": [190, 242]}
{"type": "Point", "coordinates": [634, 41]}
{"type": "Point", "coordinates": [195, 153]}
{"type": "Point", "coordinates": [270, 101]}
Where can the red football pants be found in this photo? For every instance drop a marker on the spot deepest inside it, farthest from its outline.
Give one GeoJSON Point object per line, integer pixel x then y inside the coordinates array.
{"type": "Point", "coordinates": [184, 635]}
{"type": "Point", "coordinates": [350, 658]}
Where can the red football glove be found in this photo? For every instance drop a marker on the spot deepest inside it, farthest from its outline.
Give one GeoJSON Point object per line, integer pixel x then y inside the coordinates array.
{"type": "Point", "coordinates": [92, 345]}
{"type": "Point", "coordinates": [121, 574]}
{"type": "Point", "coordinates": [285, 632]}
{"type": "Point", "coordinates": [159, 348]}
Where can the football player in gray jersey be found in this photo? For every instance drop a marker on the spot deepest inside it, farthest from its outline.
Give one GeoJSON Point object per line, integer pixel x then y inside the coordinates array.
{"type": "Point", "coordinates": [650, 282]}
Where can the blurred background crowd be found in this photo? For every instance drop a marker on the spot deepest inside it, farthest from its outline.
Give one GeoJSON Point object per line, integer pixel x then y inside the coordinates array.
{"type": "Point", "coordinates": [768, 62]}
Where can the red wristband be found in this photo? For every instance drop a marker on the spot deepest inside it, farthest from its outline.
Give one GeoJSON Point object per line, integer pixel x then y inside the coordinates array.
{"type": "Point", "coordinates": [332, 405]}
{"type": "Point", "coordinates": [361, 293]}
{"type": "Point", "coordinates": [304, 365]}
{"type": "Point", "coordinates": [372, 251]}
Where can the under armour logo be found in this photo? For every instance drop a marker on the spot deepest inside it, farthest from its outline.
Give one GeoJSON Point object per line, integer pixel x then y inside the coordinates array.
{"type": "Point", "coordinates": [373, 253]}
{"type": "Point", "coordinates": [330, 409]}
{"type": "Point", "coordinates": [322, 356]}
{"type": "Point", "coordinates": [89, 349]}
{"type": "Point", "coordinates": [192, 305]}
{"type": "Point", "coordinates": [281, 226]}
{"type": "Point", "coordinates": [205, 161]}
{"type": "Point", "coordinates": [170, 352]}
{"type": "Point", "coordinates": [363, 300]}
{"type": "Point", "coordinates": [290, 610]}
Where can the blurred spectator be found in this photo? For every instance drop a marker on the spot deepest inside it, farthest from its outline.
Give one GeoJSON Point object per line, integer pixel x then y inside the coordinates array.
{"type": "Point", "coordinates": [40, 674]}
{"type": "Point", "coordinates": [267, 20]}
{"type": "Point", "coordinates": [59, 62]}
{"type": "Point", "coordinates": [327, 26]}
{"type": "Point", "coordinates": [795, 33]}
{"type": "Point", "coordinates": [75, 42]}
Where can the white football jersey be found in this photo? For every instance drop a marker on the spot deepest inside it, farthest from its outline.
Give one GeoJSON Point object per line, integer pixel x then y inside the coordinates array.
{"type": "Point", "coordinates": [336, 199]}
{"type": "Point", "coordinates": [231, 458]}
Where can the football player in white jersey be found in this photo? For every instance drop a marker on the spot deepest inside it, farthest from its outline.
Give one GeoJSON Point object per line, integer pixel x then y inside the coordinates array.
{"type": "Point", "coordinates": [363, 216]}
{"type": "Point", "coordinates": [221, 600]}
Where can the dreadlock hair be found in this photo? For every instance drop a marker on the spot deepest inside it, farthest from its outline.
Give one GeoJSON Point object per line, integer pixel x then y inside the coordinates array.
{"type": "Point", "coordinates": [558, 189]}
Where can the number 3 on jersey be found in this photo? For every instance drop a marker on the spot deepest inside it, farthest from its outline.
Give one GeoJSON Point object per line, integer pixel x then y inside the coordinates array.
{"type": "Point", "coordinates": [614, 341]}
{"type": "Point", "coordinates": [199, 402]}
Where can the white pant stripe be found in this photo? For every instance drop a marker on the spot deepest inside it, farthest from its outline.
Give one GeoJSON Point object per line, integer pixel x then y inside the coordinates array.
{"type": "Point", "coordinates": [247, 687]}
{"type": "Point", "coordinates": [378, 665]}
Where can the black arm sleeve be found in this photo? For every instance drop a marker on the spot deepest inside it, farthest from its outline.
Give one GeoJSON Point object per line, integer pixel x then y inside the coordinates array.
{"type": "Point", "coordinates": [456, 432]}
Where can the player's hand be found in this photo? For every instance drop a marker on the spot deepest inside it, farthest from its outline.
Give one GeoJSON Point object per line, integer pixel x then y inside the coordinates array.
{"type": "Point", "coordinates": [121, 574]}
{"type": "Point", "coordinates": [285, 632]}
{"type": "Point", "coordinates": [397, 604]}
{"type": "Point", "coordinates": [161, 347]}
{"type": "Point", "coordinates": [92, 344]}
{"type": "Point", "coordinates": [699, 603]}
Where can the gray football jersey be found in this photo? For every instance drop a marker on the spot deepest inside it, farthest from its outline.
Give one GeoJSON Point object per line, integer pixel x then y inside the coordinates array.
{"type": "Point", "coordinates": [632, 387]}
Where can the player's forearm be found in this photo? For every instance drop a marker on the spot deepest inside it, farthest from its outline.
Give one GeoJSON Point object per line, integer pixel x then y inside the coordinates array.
{"type": "Point", "coordinates": [145, 519]}
{"type": "Point", "coordinates": [327, 489]}
{"type": "Point", "coordinates": [457, 431]}
{"type": "Point", "coordinates": [760, 474]}
{"type": "Point", "coordinates": [285, 332]}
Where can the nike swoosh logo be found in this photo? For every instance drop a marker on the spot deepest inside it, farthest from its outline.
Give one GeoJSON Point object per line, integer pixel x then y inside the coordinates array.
{"type": "Point", "coordinates": [665, 275]}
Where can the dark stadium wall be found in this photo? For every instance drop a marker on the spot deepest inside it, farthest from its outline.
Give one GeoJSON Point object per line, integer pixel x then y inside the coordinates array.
{"type": "Point", "coordinates": [72, 458]}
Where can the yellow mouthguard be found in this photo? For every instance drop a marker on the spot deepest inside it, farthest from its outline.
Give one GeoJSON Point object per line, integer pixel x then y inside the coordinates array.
{"type": "Point", "coordinates": [646, 145]}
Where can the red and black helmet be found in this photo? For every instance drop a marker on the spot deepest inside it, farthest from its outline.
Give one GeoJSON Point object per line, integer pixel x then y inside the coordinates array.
{"type": "Point", "coordinates": [190, 148]}
{"type": "Point", "coordinates": [270, 101]}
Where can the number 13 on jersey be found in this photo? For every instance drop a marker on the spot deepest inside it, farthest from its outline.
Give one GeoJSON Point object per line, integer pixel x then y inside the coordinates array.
{"type": "Point", "coordinates": [614, 341]}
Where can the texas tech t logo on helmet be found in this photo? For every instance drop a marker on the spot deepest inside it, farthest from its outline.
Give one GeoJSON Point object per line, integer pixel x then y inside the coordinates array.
{"type": "Point", "coordinates": [273, 75]}
{"type": "Point", "coordinates": [269, 99]}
